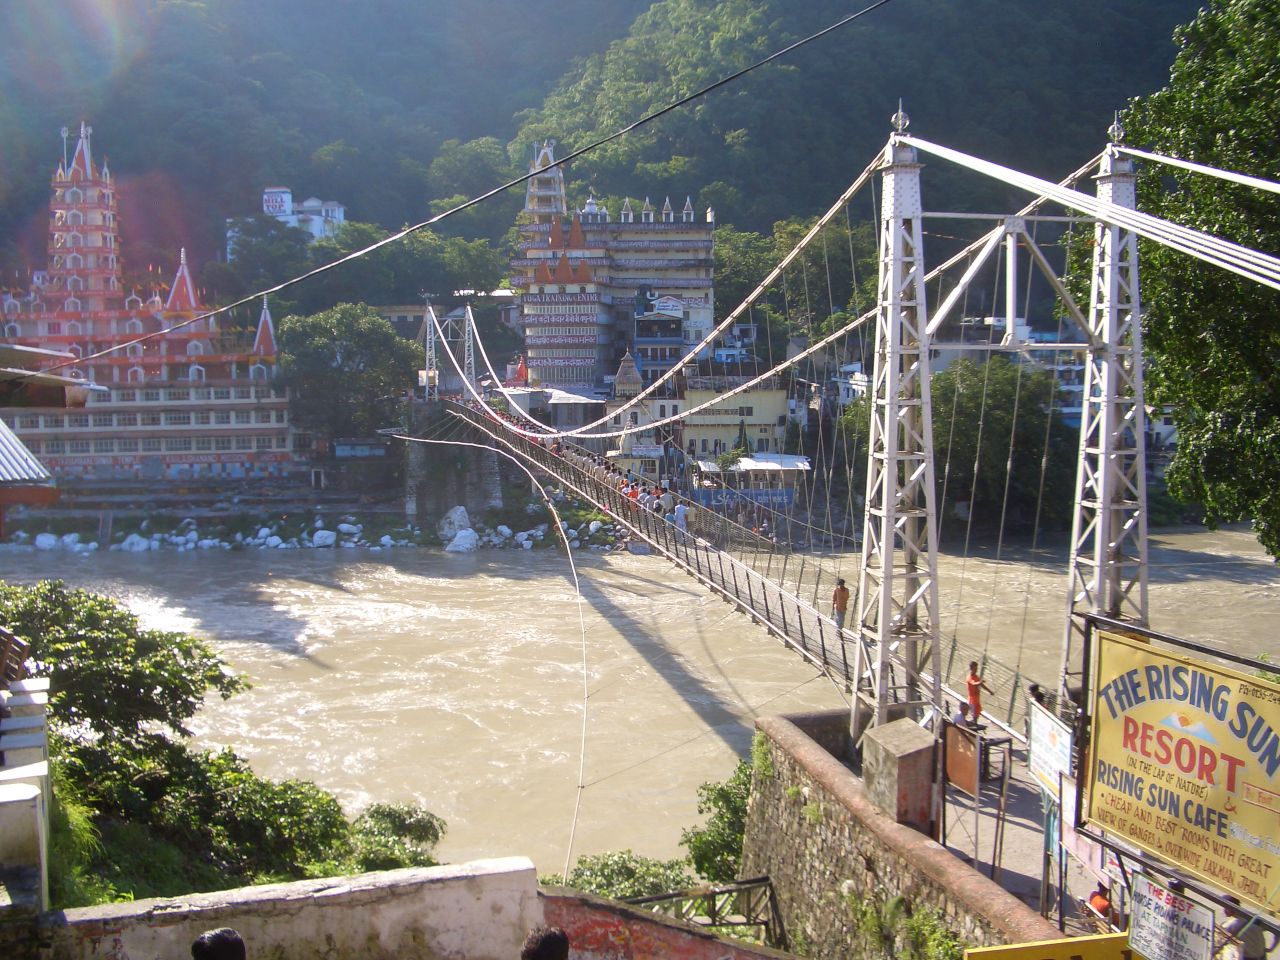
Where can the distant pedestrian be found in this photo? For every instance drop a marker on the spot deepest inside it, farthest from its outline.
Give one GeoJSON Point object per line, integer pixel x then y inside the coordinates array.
{"type": "Point", "coordinates": [545, 943]}
{"type": "Point", "coordinates": [682, 519]}
{"type": "Point", "coordinates": [840, 603]}
{"type": "Point", "coordinates": [1247, 933]}
{"type": "Point", "coordinates": [975, 685]}
{"type": "Point", "coordinates": [221, 944]}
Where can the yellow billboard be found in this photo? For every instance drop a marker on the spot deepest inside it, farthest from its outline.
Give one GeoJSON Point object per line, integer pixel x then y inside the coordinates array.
{"type": "Point", "coordinates": [1102, 946]}
{"type": "Point", "coordinates": [1185, 763]}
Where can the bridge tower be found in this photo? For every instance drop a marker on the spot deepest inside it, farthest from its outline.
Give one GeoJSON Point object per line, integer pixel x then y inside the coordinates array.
{"type": "Point", "coordinates": [428, 342]}
{"type": "Point", "coordinates": [897, 625]}
{"type": "Point", "coordinates": [1108, 562]}
{"type": "Point", "coordinates": [469, 347]}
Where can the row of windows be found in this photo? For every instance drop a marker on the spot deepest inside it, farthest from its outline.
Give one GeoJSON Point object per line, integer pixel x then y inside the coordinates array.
{"type": "Point", "coordinates": [154, 394]}
{"type": "Point", "coordinates": [545, 353]}
{"type": "Point", "coordinates": [721, 446]}
{"type": "Point", "coordinates": [169, 418]}
{"type": "Point", "coordinates": [635, 417]}
{"type": "Point", "coordinates": [533, 309]}
{"type": "Point", "coordinates": [159, 445]}
{"type": "Point", "coordinates": [562, 331]}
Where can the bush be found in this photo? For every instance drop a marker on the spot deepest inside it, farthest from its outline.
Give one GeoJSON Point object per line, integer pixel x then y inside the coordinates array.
{"type": "Point", "coordinates": [621, 874]}
{"type": "Point", "coordinates": [716, 847]}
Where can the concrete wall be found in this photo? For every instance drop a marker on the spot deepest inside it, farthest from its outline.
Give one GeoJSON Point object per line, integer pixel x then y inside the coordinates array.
{"type": "Point", "coordinates": [472, 911]}
{"type": "Point", "coordinates": [812, 829]}
{"type": "Point", "coordinates": [609, 930]}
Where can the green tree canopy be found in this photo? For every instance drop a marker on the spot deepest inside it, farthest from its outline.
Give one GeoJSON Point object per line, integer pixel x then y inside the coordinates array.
{"type": "Point", "coordinates": [1213, 339]}
{"type": "Point", "coordinates": [347, 370]}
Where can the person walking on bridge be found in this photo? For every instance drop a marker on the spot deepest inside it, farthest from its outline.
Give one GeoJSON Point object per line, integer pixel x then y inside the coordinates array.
{"type": "Point", "coordinates": [840, 603]}
{"type": "Point", "coordinates": [975, 685]}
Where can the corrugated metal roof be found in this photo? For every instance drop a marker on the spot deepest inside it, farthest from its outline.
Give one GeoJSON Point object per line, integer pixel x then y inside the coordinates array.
{"type": "Point", "coordinates": [18, 465]}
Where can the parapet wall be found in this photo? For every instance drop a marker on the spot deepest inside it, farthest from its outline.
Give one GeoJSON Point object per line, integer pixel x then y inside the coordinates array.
{"type": "Point", "coordinates": [812, 829]}
{"type": "Point", "coordinates": [475, 911]}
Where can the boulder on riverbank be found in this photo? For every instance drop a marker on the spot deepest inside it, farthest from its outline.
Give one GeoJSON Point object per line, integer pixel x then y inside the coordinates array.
{"type": "Point", "coordinates": [452, 522]}
{"type": "Point", "coordinates": [464, 541]}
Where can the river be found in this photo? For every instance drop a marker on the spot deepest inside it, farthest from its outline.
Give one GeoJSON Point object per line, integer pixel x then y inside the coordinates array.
{"type": "Point", "coordinates": [457, 681]}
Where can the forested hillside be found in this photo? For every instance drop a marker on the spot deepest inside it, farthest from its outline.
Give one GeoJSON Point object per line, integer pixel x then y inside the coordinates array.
{"type": "Point", "coordinates": [394, 107]}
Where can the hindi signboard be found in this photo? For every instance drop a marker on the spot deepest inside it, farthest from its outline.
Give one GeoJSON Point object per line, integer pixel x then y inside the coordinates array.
{"type": "Point", "coordinates": [1186, 764]}
{"type": "Point", "coordinates": [1166, 926]}
{"type": "Point", "coordinates": [1049, 747]}
{"type": "Point", "coordinates": [1102, 946]}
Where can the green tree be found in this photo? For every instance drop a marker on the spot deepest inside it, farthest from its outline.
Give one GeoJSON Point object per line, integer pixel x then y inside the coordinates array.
{"type": "Point", "coordinates": [264, 252]}
{"type": "Point", "coordinates": [347, 370]}
{"type": "Point", "coordinates": [138, 812]}
{"type": "Point", "coordinates": [108, 676]}
{"type": "Point", "coordinates": [1213, 339]}
{"type": "Point", "coordinates": [990, 423]}
{"type": "Point", "coordinates": [716, 847]}
{"type": "Point", "coordinates": [621, 874]}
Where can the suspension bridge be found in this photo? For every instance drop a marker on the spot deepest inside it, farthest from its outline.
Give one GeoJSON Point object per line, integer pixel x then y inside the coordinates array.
{"type": "Point", "coordinates": [890, 656]}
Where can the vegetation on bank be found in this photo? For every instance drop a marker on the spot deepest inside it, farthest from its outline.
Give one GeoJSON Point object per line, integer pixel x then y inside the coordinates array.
{"type": "Point", "coordinates": [137, 810]}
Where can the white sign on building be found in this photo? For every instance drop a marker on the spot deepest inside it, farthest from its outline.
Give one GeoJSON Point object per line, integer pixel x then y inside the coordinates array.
{"type": "Point", "coordinates": [1166, 926]}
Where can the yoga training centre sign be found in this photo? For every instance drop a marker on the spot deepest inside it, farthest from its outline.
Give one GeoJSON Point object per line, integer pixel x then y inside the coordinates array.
{"type": "Point", "coordinates": [1185, 763]}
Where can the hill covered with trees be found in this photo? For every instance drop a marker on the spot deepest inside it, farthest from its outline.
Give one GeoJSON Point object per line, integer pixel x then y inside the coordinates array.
{"type": "Point", "coordinates": [394, 107]}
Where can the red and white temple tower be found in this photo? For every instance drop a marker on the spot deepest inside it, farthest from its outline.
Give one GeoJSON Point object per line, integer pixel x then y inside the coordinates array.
{"type": "Point", "coordinates": [196, 401]}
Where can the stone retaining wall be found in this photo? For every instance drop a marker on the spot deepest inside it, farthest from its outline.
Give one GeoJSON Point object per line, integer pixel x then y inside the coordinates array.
{"type": "Point", "coordinates": [812, 829]}
{"type": "Point", "coordinates": [475, 911]}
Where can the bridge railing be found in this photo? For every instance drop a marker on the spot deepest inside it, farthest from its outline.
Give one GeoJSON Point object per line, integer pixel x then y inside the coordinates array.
{"type": "Point", "coordinates": [697, 548]}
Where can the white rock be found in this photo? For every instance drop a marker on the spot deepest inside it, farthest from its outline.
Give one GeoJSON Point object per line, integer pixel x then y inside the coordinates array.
{"type": "Point", "coordinates": [594, 527]}
{"type": "Point", "coordinates": [324, 538]}
{"type": "Point", "coordinates": [207, 544]}
{"type": "Point", "coordinates": [564, 525]}
{"type": "Point", "coordinates": [70, 540]}
{"type": "Point", "coordinates": [273, 541]}
{"type": "Point", "coordinates": [504, 530]}
{"type": "Point", "coordinates": [135, 544]}
{"type": "Point", "coordinates": [464, 541]}
{"type": "Point", "coordinates": [574, 544]}
{"type": "Point", "coordinates": [319, 523]}
{"type": "Point", "coordinates": [348, 528]}
{"type": "Point", "coordinates": [375, 549]}
{"type": "Point", "coordinates": [386, 540]}
{"type": "Point", "coordinates": [528, 544]}
{"type": "Point", "coordinates": [47, 541]}
{"type": "Point", "coordinates": [453, 522]}
{"type": "Point", "coordinates": [347, 545]}
{"type": "Point", "coordinates": [521, 537]}
{"type": "Point", "coordinates": [192, 536]}
{"type": "Point", "coordinates": [264, 532]}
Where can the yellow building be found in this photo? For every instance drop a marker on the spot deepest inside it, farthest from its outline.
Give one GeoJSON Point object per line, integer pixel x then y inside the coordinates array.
{"type": "Point", "coordinates": [759, 414]}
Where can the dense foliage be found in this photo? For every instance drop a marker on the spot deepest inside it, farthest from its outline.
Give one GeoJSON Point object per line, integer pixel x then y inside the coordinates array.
{"type": "Point", "coordinates": [1214, 339]}
{"type": "Point", "coordinates": [346, 369]}
{"type": "Point", "coordinates": [399, 110]}
{"type": "Point", "coordinates": [137, 811]}
{"type": "Point", "coordinates": [1032, 85]}
{"type": "Point", "coordinates": [716, 847]}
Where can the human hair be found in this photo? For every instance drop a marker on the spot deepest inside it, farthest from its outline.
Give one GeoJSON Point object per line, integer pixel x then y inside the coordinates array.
{"type": "Point", "coordinates": [840, 582]}
{"type": "Point", "coordinates": [973, 666]}
{"type": "Point", "coordinates": [220, 944]}
{"type": "Point", "coordinates": [545, 943]}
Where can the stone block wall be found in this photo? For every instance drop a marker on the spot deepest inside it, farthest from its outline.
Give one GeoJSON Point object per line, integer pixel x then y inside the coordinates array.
{"type": "Point", "coordinates": [812, 829]}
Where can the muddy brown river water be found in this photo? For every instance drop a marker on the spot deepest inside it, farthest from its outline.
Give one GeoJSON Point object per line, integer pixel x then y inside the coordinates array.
{"type": "Point", "coordinates": [459, 681]}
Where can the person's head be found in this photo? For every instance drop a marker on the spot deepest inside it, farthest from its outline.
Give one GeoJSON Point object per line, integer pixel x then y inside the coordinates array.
{"type": "Point", "coordinates": [1102, 889]}
{"type": "Point", "coordinates": [545, 943]}
{"type": "Point", "coordinates": [1036, 693]}
{"type": "Point", "coordinates": [1233, 905]}
{"type": "Point", "coordinates": [973, 666]}
{"type": "Point", "coordinates": [840, 582]}
{"type": "Point", "coordinates": [221, 944]}
{"type": "Point", "coordinates": [964, 709]}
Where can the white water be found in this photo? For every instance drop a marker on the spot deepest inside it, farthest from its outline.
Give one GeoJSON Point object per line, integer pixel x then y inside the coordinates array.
{"type": "Point", "coordinates": [456, 681]}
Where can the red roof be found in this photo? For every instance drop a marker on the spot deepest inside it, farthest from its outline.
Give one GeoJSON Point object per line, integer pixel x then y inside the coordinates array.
{"type": "Point", "coordinates": [82, 162]}
{"type": "Point", "coordinates": [182, 295]}
{"type": "Point", "coordinates": [264, 342]}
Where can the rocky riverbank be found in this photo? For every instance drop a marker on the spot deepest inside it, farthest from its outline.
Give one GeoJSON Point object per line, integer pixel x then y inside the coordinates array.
{"type": "Point", "coordinates": [525, 528]}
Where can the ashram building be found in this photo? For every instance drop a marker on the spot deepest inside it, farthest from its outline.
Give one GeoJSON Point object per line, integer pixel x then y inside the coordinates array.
{"type": "Point", "coordinates": [185, 403]}
{"type": "Point", "coordinates": [585, 280]}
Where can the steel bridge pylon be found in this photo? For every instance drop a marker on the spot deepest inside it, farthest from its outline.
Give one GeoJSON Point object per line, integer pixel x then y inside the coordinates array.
{"type": "Point", "coordinates": [432, 332]}
{"type": "Point", "coordinates": [897, 611]}
{"type": "Point", "coordinates": [1108, 562]}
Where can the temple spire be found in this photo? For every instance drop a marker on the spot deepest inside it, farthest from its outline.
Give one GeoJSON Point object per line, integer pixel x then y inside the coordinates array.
{"type": "Point", "coordinates": [264, 342]}
{"type": "Point", "coordinates": [182, 295]}
{"type": "Point", "coordinates": [82, 161]}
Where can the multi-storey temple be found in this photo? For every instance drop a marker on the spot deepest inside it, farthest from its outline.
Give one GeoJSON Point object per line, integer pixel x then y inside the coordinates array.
{"type": "Point", "coordinates": [195, 401]}
{"type": "Point", "coordinates": [589, 283]}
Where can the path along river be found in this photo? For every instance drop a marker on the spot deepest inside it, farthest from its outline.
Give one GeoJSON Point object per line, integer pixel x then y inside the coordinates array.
{"type": "Point", "coordinates": [457, 681]}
